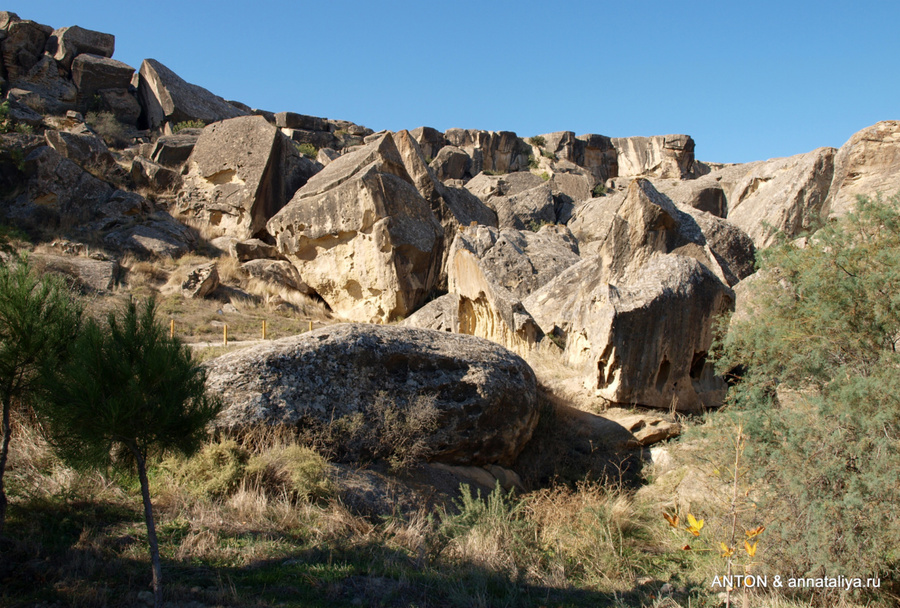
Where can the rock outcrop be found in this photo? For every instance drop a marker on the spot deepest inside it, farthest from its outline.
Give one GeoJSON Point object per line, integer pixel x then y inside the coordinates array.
{"type": "Point", "coordinates": [362, 236]}
{"type": "Point", "coordinates": [669, 156]}
{"type": "Point", "coordinates": [166, 97]}
{"type": "Point", "coordinates": [238, 176]}
{"type": "Point", "coordinates": [867, 165]}
{"type": "Point", "coordinates": [782, 195]}
{"type": "Point", "coordinates": [485, 395]}
{"type": "Point", "coordinates": [500, 151]}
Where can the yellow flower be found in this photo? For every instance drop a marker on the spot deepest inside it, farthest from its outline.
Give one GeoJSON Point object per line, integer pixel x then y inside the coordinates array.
{"type": "Point", "coordinates": [726, 550]}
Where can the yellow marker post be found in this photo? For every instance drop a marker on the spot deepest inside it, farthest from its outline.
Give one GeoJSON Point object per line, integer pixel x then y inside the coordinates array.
{"type": "Point", "coordinates": [264, 329]}
{"type": "Point", "coordinates": [172, 328]}
{"type": "Point", "coordinates": [310, 326]}
{"type": "Point", "coordinates": [225, 335]}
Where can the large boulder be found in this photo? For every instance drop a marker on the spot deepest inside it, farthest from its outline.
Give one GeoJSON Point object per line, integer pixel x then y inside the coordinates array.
{"type": "Point", "coordinates": [43, 89]}
{"type": "Point", "coordinates": [66, 43]}
{"type": "Point", "coordinates": [781, 195]}
{"type": "Point", "coordinates": [235, 179]}
{"type": "Point", "coordinates": [704, 193]}
{"type": "Point", "coordinates": [669, 156]}
{"type": "Point", "coordinates": [430, 140]}
{"type": "Point", "coordinates": [669, 301]}
{"type": "Point", "coordinates": [22, 45]}
{"type": "Point", "coordinates": [362, 236]}
{"type": "Point", "coordinates": [451, 163]}
{"type": "Point", "coordinates": [166, 97]}
{"type": "Point", "coordinates": [867, 165]}
{"type": "Point", "coordinates": [93, 73]}
{"type": "Point", "coordinates": [485, 395]}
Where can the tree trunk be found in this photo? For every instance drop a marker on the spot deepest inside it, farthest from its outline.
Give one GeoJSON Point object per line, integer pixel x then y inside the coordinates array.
{"type": "Point", "coordinates": [4, 452]}
{"type": "Point", "coordinates": [151, 526]}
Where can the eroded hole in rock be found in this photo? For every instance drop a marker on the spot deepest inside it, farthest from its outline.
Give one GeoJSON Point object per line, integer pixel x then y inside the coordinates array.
{"type": "Point", "coordinates": [663, 376]}
{"type": "Point", "coordinates": [225, 176]}
{"type": "Point", "coordinates": [697, 365]}
{"type": "Point", "coordinates": [605, 367]}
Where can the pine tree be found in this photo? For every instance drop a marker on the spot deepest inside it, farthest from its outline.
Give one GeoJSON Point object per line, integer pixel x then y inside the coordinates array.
{"type": "Point", "coordinates": [130, 393]}
{"type": "Point", "coordinates": [39, 318]}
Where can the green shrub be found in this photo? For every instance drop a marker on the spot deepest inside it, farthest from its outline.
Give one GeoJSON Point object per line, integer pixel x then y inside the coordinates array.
{"type": "Point", "coordinates": [550, 155]}
{"type": "Point", "coordinates": [188, 124]}
{"type": "Point", "coordinates": [598, 191]}
{"type": "Point", "coordinates": [537, 140]}
{"type": "Point", "coordinates": [533, 162]}
{"type": "Point", "coordinates": [545, 176]}
{"type": "Point", "coordinates": [215, 471]}
{"type": "Point", "coordinates": [8, 125]}
{"type": "Point", "coordinates": [293, 469]}
{"type": "Point", "coordinates": [307, 149]}
{"type": "Point", "coordinates": [815, 364]}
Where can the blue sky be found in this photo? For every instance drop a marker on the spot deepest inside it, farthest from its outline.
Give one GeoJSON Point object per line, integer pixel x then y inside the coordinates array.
{"type": "Point", "coordinates": [748, 80]}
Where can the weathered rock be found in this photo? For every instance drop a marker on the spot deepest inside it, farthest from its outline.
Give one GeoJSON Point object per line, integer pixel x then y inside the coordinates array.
{"type": "Point", "coordinates": [20, 113]}
{"type": "Point", "coordinates": [201, 281]}
{"type": "Point", "coordinates": [48, 92]}
{"type": "Point", "coordinates": [570, 182]}
{"type": "Point", "coordinates": [597, 154]}
{"type": "Point", "coordinates": [519, 261]}
{"type": "Point", "coordinates": [84, 149]}
{"type": "Point", "coordinates": [318, 139]}
{"type": "Point", "coordinates": [174, 150]}
{"type": "Point", "coordinates": [500, 151]}
{"type": "Point", "coordinates": [441, 314]}
{"type": "Point", "coordinates": [492, 270]}
{"type": "Point", "coordinates": [121, 103]}
{"type": "Point", "coordinates": [659, 156]}
{"type": "Point", "coordinates": [235, 180]}
{"type": "Point", "coordinates": [64, 44]}
{"type": "Point", "coordinates": [450, 163]}
{"type": "Point", "coordinates": [326, 155]}
{"type": "Point", "coordinates": [486, 395]}
{"type": "Point", "coordinates": [529, 209]}
{"type": "Point", "coordinates": [291, 120]}
{"type": "Point", "coordinates": [278, 272]}
{"type": "Point", "coordinates": [362, 236]}
{"type": "Point", "coordinates": [95, 275]}
{"type": "Point", "coordinates": [705, 193]}
{"type": "Point", "coordinates": [430, 141]}
{"type": "Point", "coordinates": [487, 186]}
{"type": "Point", "coordinates": [92, 73]}
{"type": "Point", "coordinates": [160, 236]}
{"type": "Point", "coordinates": [23, 46]}
{"type": "Point", "coordinates": [254, 249]}
{"type": "Point", "coordinates": [783, 194]}
{"type": "Point", "coordinates": [867, 165]}
{"type": "Point", "coordinates": [148, 174]}
{"type": "Point", "coordinates": [669, 300]}
{"type": "Point", "coordinates": [646, 429]}
{"type": "Point", "coordinates": [165, 96]}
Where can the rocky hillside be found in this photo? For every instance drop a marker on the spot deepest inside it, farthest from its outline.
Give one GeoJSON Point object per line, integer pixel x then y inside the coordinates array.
{"type": "Point", "coordinates": [609, 257]}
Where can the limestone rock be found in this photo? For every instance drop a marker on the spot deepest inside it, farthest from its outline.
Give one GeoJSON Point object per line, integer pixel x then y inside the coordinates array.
{"type": "Point", "coordinates": [783, 194]}
{"type": "Point", "coordinates": [486, 395]}
{"type": "Point", "coordinates": [291, 120]}
{"type": "Point", "coordinates": [450, 163]}
{"type": "Point", "coordinates": [148, 174]}
{"type": "Point", "coordinates": [85, 149]}
{"type": "Point", "coordinates": [441, 314]}
{"type": "Point", "coordinates": [431, 141]}
{"type": "Point", "coordinates": [235, 176]}
{"type": "Point", "coordinates": [22, 46]}
{"type": "Point", "coordinates": [94, 275]}
{"type": "Point", "coordinates": [500, 151]}
{"type": "Point", "coordinates": [121, 103]}
{"type": "Point", "coordinates": [47, 91]}
{"type": "Point", "coordinates": [487, 186]}
{"type": "Point", "coordinates": [646, 429]}
{"type": "Point", "coordinates": [165, 96]}
{"type": "Point", "coordinates": [174, 150]}
{"type": "Point", "coordinates": [491, 270]}
{"type": "Point", "coordinates": [669, 300]}
{"type": "Point", "coordinates": [326, 155]}
{"type": "Point", "coordinates": [597, 154]}
{"type": "Point", "coordinates": [64, 44]}
{"type": "Point", "coordinates": [705, 193]}
{"type": "Point", "coordinates": [362, 236]}
{"type": "Point", "coordinates": [254, 249]}
{"type": "Point", "coordinates": [201, 281]}
{"type": "Point", "coordinates": [278, 272]}
{"type": "Point", "coordinates": [160, 235]}
{"type": "Point", "coordinates": [868, 165]}
{"type": "Point", "coordinates": [92, 73]}
{"type": "Point", "coordinates": [528, 209]}
{"type": "Point", "coordinates": [659, 156]}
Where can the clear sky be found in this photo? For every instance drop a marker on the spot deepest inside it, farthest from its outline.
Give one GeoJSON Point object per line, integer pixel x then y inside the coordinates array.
{"type": "Point", "coordinates": [748, 80]}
